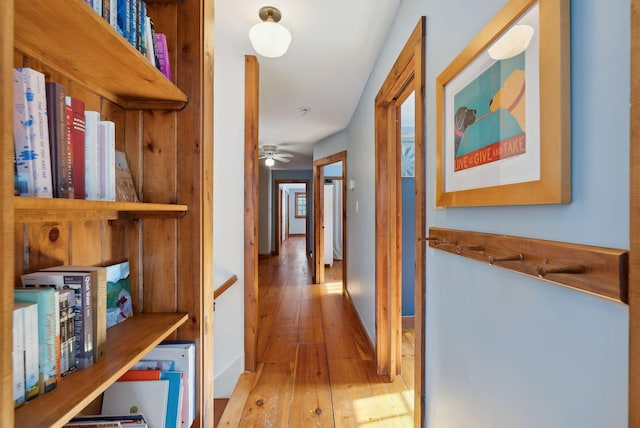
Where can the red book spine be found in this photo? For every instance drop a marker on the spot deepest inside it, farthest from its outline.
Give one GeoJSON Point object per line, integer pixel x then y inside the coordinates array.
{"type": "Point", "coordinates": [75, 123]}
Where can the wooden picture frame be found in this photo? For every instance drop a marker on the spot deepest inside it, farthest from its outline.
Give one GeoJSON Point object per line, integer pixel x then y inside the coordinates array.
{"type": "Point", "coordinates": [497, 142]}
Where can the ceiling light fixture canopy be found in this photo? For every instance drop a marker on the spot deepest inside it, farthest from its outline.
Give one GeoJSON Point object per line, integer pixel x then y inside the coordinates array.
{"type": "Point", "coordinates": [269, 38]}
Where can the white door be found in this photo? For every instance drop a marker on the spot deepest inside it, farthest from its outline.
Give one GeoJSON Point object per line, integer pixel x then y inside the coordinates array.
{"type": "Point", "coordinates": [328, 224]}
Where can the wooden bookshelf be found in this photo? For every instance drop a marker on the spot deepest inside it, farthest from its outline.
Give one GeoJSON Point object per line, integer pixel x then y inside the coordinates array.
{"type": "Point", "coordinates": [127, 342]}
{"type": "Point", "coordinates": [101, 59]}
{"type": "Point", "coordinates": [163, 127]}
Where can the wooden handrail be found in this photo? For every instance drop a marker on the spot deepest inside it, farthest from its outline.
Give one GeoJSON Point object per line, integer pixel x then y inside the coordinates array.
{"type": "Point", "coordinates": [225, 286]}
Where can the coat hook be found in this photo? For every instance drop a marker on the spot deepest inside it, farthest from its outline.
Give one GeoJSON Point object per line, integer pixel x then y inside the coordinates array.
{"type": "Point", "coordinates": [542, 272]}
{"type": "Point", "coordinates": [518, 256]}
{"type": "Point", "coordinates": [460, 248]}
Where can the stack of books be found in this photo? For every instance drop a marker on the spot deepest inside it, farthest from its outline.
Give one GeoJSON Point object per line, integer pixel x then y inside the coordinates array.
{"type": "Point", "coordinates": [61, 315]}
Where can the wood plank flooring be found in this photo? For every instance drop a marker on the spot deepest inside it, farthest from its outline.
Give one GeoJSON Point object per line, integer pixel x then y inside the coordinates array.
{"type": "Point", "coordinates": [315, 363]}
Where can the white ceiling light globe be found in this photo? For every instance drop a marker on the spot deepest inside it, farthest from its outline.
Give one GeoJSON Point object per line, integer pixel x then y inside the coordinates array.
{"type": "Point", "coordinates": [270, 39]}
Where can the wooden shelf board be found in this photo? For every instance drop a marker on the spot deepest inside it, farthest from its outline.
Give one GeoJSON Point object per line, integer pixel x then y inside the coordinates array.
{"type": "Point", "coordinates": [70, 37]}
{"type": "Point", "coordinates": [41, 209]}
{"type": "Point", "coordinates": [127, 342]}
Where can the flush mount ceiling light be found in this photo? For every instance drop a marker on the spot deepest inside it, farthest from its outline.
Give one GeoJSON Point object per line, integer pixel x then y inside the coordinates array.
{"type": "Point", "coordinates": [269, 162]}
{"type": "Point", "coordinates": [512, 43]}
{"type": "Point", "coordinates": [269, 38]}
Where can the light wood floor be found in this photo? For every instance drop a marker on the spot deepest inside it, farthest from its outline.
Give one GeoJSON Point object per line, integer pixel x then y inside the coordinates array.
{"type": "Point", "coordinates": [315, 363]}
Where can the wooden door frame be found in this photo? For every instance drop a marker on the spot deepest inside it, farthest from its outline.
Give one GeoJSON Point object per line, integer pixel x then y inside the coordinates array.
{"type": "Point", "coordinates": [634, 227]}
{"type": "Point", "coordinates": [278, 213]}
{"type": "Point", "coordinates": [318, 216]}
{"type": "Point", "coordinates": [406, 76]}
{"type": "Point", "coordinates": [251, 182]}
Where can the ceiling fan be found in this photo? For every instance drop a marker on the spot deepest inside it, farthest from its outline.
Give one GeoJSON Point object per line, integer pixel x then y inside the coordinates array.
{"type": "Point", "coordinates": [270, 155]}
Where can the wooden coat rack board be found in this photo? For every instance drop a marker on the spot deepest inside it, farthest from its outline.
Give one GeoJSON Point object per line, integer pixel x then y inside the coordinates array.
{"type": "Point", "coordinates": [596, 270]}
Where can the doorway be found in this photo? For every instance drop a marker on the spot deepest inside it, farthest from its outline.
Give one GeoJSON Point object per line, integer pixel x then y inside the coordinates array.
{"type": "Point", "coordinates": [295, 212]}
{"type": "Point", "coordinates": [329, 176]}
{"type": "Point", "coordinates": [405, 80]}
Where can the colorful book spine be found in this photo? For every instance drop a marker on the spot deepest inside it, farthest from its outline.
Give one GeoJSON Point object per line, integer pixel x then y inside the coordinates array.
{"type": "Point", "coordinates": [97, 6]}
{"type": "Point", "coordinates": [45, 298]}
{"type": "Point", "coordinates": [98, 303]}
{"type": "Point", "coordinates": [106, 9]}
{"type": "Point", "coordinates": [163, 54]}
{"type": "Point", "coordinates": [76, 125]}
{"type": "Point", "coordinates": [134, 5]}
{"type": "Point", "coordinates": [59, 141]}
{"type": "Point", "coordinates": [91, 155]}
{"type": "Point", "coordinates": [107, 158]}
{"type": "Point", "coordinates": [80, 282]}
{"type": "Point", "coordinates": [124, 16]}
{"type": "Point", "coordinates": [18, 355]}
{"type": "Point", "coordinates": [67, 336]}
{"type": "Point", "coordinates": [142, 43]}
{"type": "Point", "coordinates": [113, 14]}
{"type": "Point", "coordinates": [31, 134]}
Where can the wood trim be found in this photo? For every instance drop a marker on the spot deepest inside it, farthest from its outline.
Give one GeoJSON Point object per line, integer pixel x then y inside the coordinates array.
{"type": "Point", "coordinates": [406, 75]}
{"type": "Point", "coordinates": [634, 232]}
{"type": "Point", "coordinates": [251, 130]}
{"type": "Point", "coordinates": [318, 215]}
{"type": "Point", "coordinates": [6, 214]}
{"type": "Point", "coordinates": [596, 270]}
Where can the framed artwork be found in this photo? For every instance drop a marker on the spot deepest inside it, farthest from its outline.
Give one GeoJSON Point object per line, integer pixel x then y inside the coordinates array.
{"type": "Point", "coordinates": [504, 111]}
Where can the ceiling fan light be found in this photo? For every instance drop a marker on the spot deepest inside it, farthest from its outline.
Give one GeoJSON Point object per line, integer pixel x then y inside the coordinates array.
{"type": "Point", "coordinates": [269, 38]}
{"type": "Point", "coordinates": [269, 162]}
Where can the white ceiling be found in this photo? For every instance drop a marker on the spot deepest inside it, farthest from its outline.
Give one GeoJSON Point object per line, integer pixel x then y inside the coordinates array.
{"type": "Point", "coordinates": [334, 46]}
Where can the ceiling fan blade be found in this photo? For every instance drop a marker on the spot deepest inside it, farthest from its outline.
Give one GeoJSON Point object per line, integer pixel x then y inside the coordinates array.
{"type": "Point", "coordinates": [262, 156]}
{"type": "Point", "coordinates": [284, 155]}
{"type": "Point", "coordinates": [285, 160]}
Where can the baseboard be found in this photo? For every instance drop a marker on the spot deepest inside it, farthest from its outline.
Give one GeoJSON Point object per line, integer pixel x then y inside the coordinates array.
{"type": "Point", "coordinates": [372, 347]}
{"type": "Point", "coordinates": [226, 381]}
{"type": "Point", "coordinates": [408, 321]}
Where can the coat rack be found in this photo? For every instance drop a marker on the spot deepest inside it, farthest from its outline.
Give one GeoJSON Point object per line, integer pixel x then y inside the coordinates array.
{"type": "Point", "coordinates": [596, 270]}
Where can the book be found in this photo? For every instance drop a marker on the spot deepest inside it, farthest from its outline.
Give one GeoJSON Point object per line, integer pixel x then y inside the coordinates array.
{"type": "Point", "coordinates": [45, 299]}
{"type": "Point", "coordinates": [67, 335]}
{"type": "Point", "coordinates": [80, 282]}
{"type": "Point", "coordinates": [91, 155]}
{"type": "Point", "coordinates": [106, 10]}
{"type": "Point", "coordinates": [154, 365]}
{"type": "Point", "coordinates": [174, 400]}
{"type": "Point", "coordinates": [62, 174]}
{"type": "Point", "coordinates": [184, 356]}
{"type": "Point", "coordinates": [142, 28]}
{"type": "Point", "coordinates": [17, 354]}
{"type": "Point", "coordinates": [119, 303]}
{"type": "Point", "coordinates": [125, 189]}
{"type": "Point", "coordinates": [134, 420]}
{"type": "Point", "coordinates": [162, 51]}
{"type": "Point", "coordinates": [98, 303]}
{"type": "Point", "coordinates": [134, 5]}
{"type": "Point", "coordinates": [31, 352]}
{"type": "Point", "coordinates": [31, 133]}
{"type": "Point", "coordinates": [107, 159]}
{"type": "Point", "coordinates": [113, 14]}
{"type": "Point", "coordinates": [124, 16]}
{"type": "Point", "coordinates": [75, 123]}
{"type": "Point", "coordinates": [148, 397]}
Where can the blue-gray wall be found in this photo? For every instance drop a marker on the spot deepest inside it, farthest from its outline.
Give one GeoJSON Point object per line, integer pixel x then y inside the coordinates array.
{"type": "Point", "coordinates": [502, 349]}
{"type": "Point", "coordinates": [408, 245]}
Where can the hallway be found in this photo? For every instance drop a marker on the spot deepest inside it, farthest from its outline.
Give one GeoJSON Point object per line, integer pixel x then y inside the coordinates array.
{"type": "Point", "coordinates": [315, 363]}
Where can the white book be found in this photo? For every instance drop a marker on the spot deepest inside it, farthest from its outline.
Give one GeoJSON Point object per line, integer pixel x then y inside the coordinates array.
{"type": "Point", "coordinates": [107, 155]}
{"type": "Point", "coordinates": [31, 134]}
{"type": "Point", "coordinates": [31, 351]}
{"type": "Point", "coordinates": [18, 355]}
{"type": "Point", "coordinates": [91, 155]}
{"type": "Point", "coordinates": [113, 14]}
{"type": "Point", "coordinates": [148, 397]}
{"type": "Point", "coordinates": [184, 356]}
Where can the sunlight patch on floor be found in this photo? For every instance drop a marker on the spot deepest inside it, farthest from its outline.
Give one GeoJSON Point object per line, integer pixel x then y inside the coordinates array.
{"type": "Point", "coordinates": [334, 287]}
{"type": "Point", "coordinates": [395, 409]}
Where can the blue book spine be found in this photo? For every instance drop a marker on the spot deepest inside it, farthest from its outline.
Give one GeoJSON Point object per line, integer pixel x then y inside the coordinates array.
{"type": "Point", "coordinates": [45, 298]}
{"type": "Point", "coordinates": [124, 13]}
